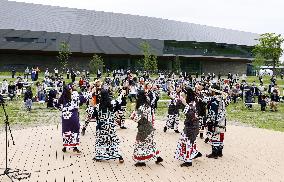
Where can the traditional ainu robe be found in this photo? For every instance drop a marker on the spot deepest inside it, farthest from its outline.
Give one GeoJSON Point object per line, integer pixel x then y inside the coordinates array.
{"type": "Point", "coordinates": [91, 113]}
{"type": "Point", "coordinates": [145, 146]}
{"type": "Point", "coordinates": [120, 111]}
{"type": "Point", "coordinates": [91, 110]}
{"type": "Point", "coordinates": [107, 141]}
{"type": "Point", "coordinates": [70, 121]}
{"type": "Point", "coordinates": [186, 148]}
{"type": "Point", "coordinates": [154, 97]}
{"type": "Point", "coordinates": [173, 111]}
{"type": "Point", "coordinates": [201, 107]}
{"type": "Point", "coordinates": [217, 116]}
{"type": "Point", "coordinates": [212, 115]}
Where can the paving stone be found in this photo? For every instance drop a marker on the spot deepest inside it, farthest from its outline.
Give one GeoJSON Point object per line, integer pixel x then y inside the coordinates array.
{"type": "Point", "coordinates": [250, 154]}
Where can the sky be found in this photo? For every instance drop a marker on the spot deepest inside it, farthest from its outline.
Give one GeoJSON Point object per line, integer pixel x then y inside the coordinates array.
{"type": "Point", "coordinates": [258, 16]}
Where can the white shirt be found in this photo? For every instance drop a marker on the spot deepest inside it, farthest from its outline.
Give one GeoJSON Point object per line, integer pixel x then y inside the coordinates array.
{"type": "Point", "coordinates": [133, 90]}
{"type": "Point", "coordinates": [5, 85]}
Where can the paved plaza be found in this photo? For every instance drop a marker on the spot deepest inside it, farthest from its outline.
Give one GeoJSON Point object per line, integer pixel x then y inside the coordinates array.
{"type": "Point", "coordinates": [250, 154]}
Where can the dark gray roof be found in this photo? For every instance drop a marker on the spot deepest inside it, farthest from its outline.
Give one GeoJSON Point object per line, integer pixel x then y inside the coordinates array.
{"type": "Point", "coordinates": [78, 43]}
{"type": "Point", "coordinates": [25, 16]}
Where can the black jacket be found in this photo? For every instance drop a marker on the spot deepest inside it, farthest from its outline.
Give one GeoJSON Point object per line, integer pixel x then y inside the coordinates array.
{"type": "Point", "coordinates": [28, 95]}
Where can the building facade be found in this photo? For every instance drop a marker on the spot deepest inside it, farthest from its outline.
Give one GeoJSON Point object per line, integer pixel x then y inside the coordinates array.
{"type": "Point", "coordinates": [30, 35]}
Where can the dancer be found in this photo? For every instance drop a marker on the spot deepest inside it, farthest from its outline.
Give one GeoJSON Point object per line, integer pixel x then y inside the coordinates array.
{"type": "Point", "coordinates": [217, 117]}
{"type": "Point", "coordinates": [121, 109]}
{"type": "Point", "coordinates": [173, 110]}
{"type": "Point", "coordinates": [69, 104]}
{"type": "Point", "coordinates": [107, 142]}
{"type": "Point", "coordinates": [186, 148]}
{"type": "Point", "coordinates": [153, 99]}
{"type": "Point", "coordinates": [201, 107]}
{"type": "Point", "coordinates": [93, 98]}
{"type": "Point", "coordinates": [145, 147]}
{"type": "Point", "coordinates": [92, 114]}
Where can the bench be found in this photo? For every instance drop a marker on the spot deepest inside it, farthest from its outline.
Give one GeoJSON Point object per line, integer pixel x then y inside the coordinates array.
{"type": "Point", "coordinates": [164, 100]}
{"type": "Point", "coordinates": [252, 103]}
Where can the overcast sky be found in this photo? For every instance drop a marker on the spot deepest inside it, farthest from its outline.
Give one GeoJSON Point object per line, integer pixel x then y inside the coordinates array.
{"type": "Point", "coordinates": [259, 16]}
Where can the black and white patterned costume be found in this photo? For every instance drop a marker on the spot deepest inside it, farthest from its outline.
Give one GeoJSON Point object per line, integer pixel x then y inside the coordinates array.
{"type": "Point", "coordinates": [213, 105]}
{"type": "Point", "coordinates": [201, 107]}
{"type": "Point", "coordinates": [154, 97]}
{"type": "Point", "coordinates": [107, 141]}
{"type": "Point", "coordinates": [90, 109]}
{"type": "Point", "coordinates": [92, 114]}
{"type": "Point", "coordinates": [217, 124]}
{"type": "Point", "coordinates": [173, 111]}
{"type": "Point", "coordinates": [120, 111]}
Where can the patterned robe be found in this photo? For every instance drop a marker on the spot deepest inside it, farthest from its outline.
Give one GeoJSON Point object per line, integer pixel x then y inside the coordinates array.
{"type": "Point", "coordinates": [154, 98]}
{"type": "Point", "coordinates": [201, 110]}
{"type": "Point", "coordinates": [173, 112]}
{"type": "Point", "coordinates": [145, 146]}
{"type": "Point", "coordinates": [186, 147]}
{"type": "Point", "coordinates": [70, 121]}
{"type": "Point", "coordinates": [217, 117]}
{"type": "Point", "coordinates": [120, 111]}
{"type": "Point", "coordinates": [90, 109]}
{"type": "Point", "coordinates": [107, 141]}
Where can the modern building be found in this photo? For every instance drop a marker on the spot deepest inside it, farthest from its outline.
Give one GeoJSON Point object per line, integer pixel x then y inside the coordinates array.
{"type": "Point", "coordinates": [30, 34]}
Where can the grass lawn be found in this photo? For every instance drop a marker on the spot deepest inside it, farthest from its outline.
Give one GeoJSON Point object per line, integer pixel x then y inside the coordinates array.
{"type": "Point", "coordinates": [254, 117]}
{"type": "Point", "coordinates": [18, 114]}
{"type": "Point", "coordinates": [266, 80]}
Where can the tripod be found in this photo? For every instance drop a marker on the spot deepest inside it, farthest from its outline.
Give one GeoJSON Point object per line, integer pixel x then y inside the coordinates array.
{"type": "Point", "coordinates": [9, 171]}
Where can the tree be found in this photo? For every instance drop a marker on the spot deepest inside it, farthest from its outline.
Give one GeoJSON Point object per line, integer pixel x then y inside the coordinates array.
{"type": "Point", "coordinates": [258, 61]}
{"type": "Point", "coordinates": [96, 63]}
{"type": "Point", "coordinates": [64, 54]}
{"type": "Point", "coordinates": [176, 65]}
{"type": "Point", "coordinates": [140, 63]}
{"type": "Point", "coordinates": [150, 59]}
{"type": "Point", "coordinates": [269, 47]}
